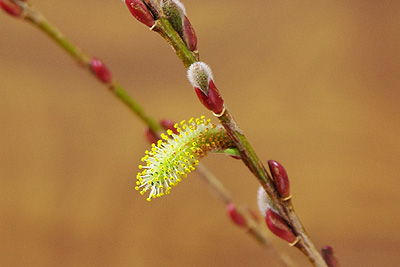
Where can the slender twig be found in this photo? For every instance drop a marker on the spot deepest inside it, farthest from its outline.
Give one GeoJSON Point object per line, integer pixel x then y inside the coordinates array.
{"type": "Point", "coordinates": [36, 18]}
{"type": "Point", "coordinates": [249, 157]}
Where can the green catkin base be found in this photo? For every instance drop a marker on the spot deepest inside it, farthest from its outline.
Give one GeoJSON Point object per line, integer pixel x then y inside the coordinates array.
{"type": "Point", "coordinates": [176, 155]}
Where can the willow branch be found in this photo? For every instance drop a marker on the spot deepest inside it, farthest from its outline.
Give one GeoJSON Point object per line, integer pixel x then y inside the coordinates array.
{"type": "Point", "coordinates": [36, 18]}
{"type": "Point", "coordinates": [249, 157]}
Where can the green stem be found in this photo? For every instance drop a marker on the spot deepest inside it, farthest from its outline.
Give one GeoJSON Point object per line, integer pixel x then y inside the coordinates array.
{"type": "Point", "coordinates": [252, 161]}
{"type": "Point", "coordinates": [248, 154]}
{"type": "Point", "coordinates": [57, 36]}
{"type": "Point", "coordinates": [37, 19]}
{"type": "Point", "coordinates": [187, 57]}
{"type": "Point", "coordinates": [164, 28]}
{"type": "Point", "coordinates": [134, 106]}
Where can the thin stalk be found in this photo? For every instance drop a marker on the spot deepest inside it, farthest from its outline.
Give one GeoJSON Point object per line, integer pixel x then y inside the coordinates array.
{"type": "Point", "coordinates": [37, 19]}
{"type": "Point", "coordinates": [249, 157]}
{"type": "Point", "coordinates": [164, 28]}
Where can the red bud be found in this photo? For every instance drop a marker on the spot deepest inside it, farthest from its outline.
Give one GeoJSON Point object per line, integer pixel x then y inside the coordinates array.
{"type": "Point", "coordinates": [212, 100]}
{"type": "Point", "coordinates": [279, 227]}
{"type": "Point", "coordinates": [151, 136]}
{"type": "Point", "coordinates": [280, 177]}
{"type": "Point", "coordinates": [235, 216]}
{"type": "Point", "coordinates": [101, 71]}
{"type": "Point", "coordinates": [11, 8]}
{"type": "Point", "coordinates": [189, 35]}
{"type": "Point", "coordinates": [329, 257]}
{"type": "Point", "coordinates": [168, 125]}
{"type": "Point", "coordinates": [140, 11]}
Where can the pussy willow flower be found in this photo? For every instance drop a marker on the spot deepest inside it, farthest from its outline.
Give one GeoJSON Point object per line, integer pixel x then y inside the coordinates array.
{"type": "Point", "coordinates": [176, 155]}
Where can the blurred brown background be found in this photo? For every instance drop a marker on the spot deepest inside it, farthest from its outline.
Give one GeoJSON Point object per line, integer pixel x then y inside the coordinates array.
{"type": "Point", "coordinates": [313, 84]}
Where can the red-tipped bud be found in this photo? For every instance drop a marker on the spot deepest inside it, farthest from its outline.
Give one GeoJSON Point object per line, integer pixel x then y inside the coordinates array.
{"type": "Point", "coordinates": [200, 76]}
{"type": "Point", "coordinates": [235, 216]}
{"type": "Point", "coordinates": [329, 257]}
{"type": "Point", "coordinates": [11, 8]}
{"type": "Point", "coordinates": [280, 177]}
{"type": "Point", "coordinates": [168, 125]}
{"type": "Point", "coordinates": [212, 100]}
{"type": "Point", "coordinates": [279, 227]}
{"type": "Point", "coordinates": [101, 71]}
{"type": "Point", "coordinates": [140, 11]}
{"type": "Point", "coordinates": [151, 136]}
{"type": "Point", "coordinates": [189, 35]}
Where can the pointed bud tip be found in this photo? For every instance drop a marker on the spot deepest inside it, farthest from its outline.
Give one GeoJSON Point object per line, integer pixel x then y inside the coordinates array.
{"type": "Point", "coordinates": [189, 35]}
{"type": "Point", "coordinates": [281, 179]}
{"type": "Point", "coordinates": [100, 70]}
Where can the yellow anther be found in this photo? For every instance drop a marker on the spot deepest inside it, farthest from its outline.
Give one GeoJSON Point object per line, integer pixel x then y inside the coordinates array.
{"type": "Point", "coordinates": [164, 136]}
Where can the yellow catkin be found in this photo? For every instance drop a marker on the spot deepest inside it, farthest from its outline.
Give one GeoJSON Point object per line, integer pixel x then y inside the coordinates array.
{"type": "Point", "coordinates": [176, 155]}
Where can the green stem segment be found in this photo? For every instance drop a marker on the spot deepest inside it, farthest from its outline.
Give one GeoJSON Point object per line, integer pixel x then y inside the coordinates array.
{"type": "Point", "coordinates": [84, 60]}
{"type": "Point", "coordinates": [252, 161]}
{"type": "Point", "coordinates": [136, 108]}
{"type": "Point", "coordinates": [164, 28]}
{"type": "Point", "coordinates": [249, 157]}
{"type": "Point", "coordinates": [57, 36]}
{"type": "Point", "coordinates": [37, 19]}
